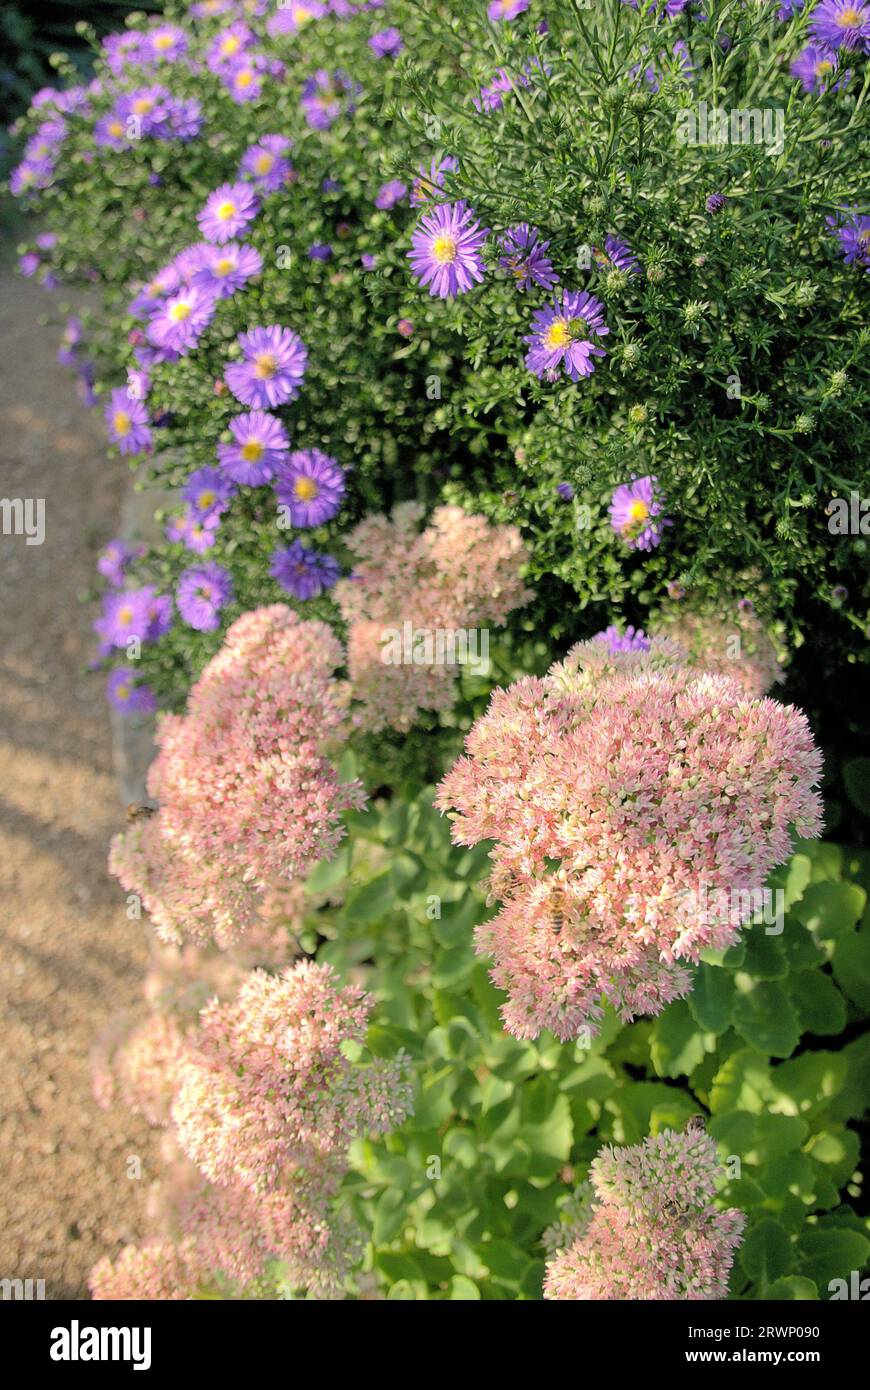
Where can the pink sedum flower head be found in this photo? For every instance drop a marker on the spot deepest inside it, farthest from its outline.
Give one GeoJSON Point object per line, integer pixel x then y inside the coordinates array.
{"type": "Point", "coordinates": [735, 645]}
{"type": "Point", "coordinates": [228, 211]}
{"type": "Point", "coordinates": [248, 797]}
{"type": "Point", "coordinates": [459, 573]}
{"type": "Point", "coordinates": [635, 805]}
{"type": "Point", "coordinates": [652, 1230]}
{"type": "Point", "coordinates": [272, 369]}
{"type": "Point", "coordinates": [157, 1272]}
{"type": "Point", "coordinates": [446, 250]}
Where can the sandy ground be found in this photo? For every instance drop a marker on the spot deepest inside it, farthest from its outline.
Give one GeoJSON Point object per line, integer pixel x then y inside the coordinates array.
{"type": "Point", "coordinates": [69, 959]}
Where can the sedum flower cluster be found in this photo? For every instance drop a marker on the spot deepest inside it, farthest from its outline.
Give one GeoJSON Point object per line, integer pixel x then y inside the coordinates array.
{"type": "Point", "coordinates": [651, 1230]}
{"type": "Point", "coordinates": [632, 801]}
{"type": "Point", "coordinates": [412, 590]}
{"type": "Point", "coordinates": [247, 795]}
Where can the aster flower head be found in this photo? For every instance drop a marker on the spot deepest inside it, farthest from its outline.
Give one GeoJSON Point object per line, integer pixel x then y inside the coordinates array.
{"type": "Point", "coordinates": [294, 15]}
{"type": "Point", "coordinates": [31, 175]}
{"type": "Point", "coordinates": [562, 336]}
{"type": "Point", "coordinates": [852, 230]}
{"type": "Point", "coordinates": [208, 491]}
{"type": "Point", "coordinates": [429, 183]}
{"type": "Point", "coordinates": [114, 560]}
{"type": "Point", "coordinates": [311, 485]}
{"type": "Point", "coordinates": [631, 640]}
{"type": "Point", "coordinates": [127, 422]}
{"type": "Point", "coordinates": [841, 24]}
{"type": "Point", "coordinates": [127, 694]}
{"type": "Point", "coordinates": [222, 270]}
{"type": "Point", "coordinates": [616, 255]}
{"type": "Point", "coordinates": [816, 69]}
{"type": "Point", "coordinates": [651, 1230]}
{"type": "Point", "coordinates": [133, 614]}
{"type": "Point", "coordinates": [505, 9]}
{"type": "Point", "coordinates": [165, 43]}
{"type": "Point", "coordinates": [524, 257]}
{"type": "Point", "coordinates": [390, 193]}
{"type": "Point", "coordinates": [259, 444]}
{"type": "Point", "coordinates": [446, 250]}
{"type": "Point", "coordinates": [179, 322]}
{"type": "Point", "coordinates": [386, 43]}
{"type": "Point", "coordinates": [272, 367]}
{"type": "Point", "coordinates": [320, 251]}
{"type": "Point", "coordinates": [715, 203]}
{"type": "Point", "coordinates": [203, 590]}
{"type": "Point", "coordinates": [244, 79]}
{"type": "Point", "coordinates": [196, 533]}
{"type": "Point", "coordinates": [228, 211]}
{"type": "Point", "coordinates": [324, 97]}
{"type": "Point", "coordinates": [303, 572]}
{"type": "Point", "coordinates": [266, 164]}
{"type": "Point", "coordinates": [637, 513]}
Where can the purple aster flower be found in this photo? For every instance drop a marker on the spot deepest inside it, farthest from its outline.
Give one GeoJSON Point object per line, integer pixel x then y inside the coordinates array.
{"type": "Point", "coordinates": [789, 8]}
{"type": "Point", "coordinates": [405, 327]}
{"type": "Point", "coordinates": [330, 186]}
{"type": "Point", "coordinates": [127, 422]}
{"type": "Point", "coordinates": [841, 24]}
{"type": "Point", "coordinates": [272, 369]}
{"type": "Point", "coordinates": [386, 43]}
{"type": "Point", "coordinates": [196, 533]}
{"type": "Point", "coordinates": [311, 485]}
{"type": "Point", "coordinates": [320, 251]}
{"type": "Point", "coordinates": [166, 43]}
{"type": "Point", "coordinates": [815, 68]}
{"type": "Point", "coordinates": [367, 261]}
{"type": "Point", "coordinates": [46, 241]}
{"type": "Point", "coordinates": [304, 573]}
{"type": "Point", "coordinates": [44, 143]}
{"type": "Point", "coordinates": [208, 491]}
{"type": "Point", "coordinates": [225, 269]}
{"type": "Point", "coordinates": [293, 14]}
{"type": "Point", "coordinates": [29, 175]}
{"type": "Point", "coordinates": [121, 50]}
{"type": "Point", "coordinates": [322, 97]}
{"type": "Point", "coordinates": [853, 234]}
{"type": "Point", "coordinates": [560, 336]}
{"type": "Point", "coordinates": [228, 211]}
{"type": "Point", "coordinates": [143, 110]}
{"type": "Point", "coordinates": [265, 163]}
{"type": "Point", "coordinates": [565, 491]}
{"type": "Point", "coordinates": [491, 98]}
{"type": "Point", "coordinates": [114, 559]}
{"type": "Point", "coordinates": [445, 250]}
{"type": "Point", "coordinates": [203, 590]}
{"type": "Point", "coordinates": [506, 9]}
{"type": "Point", "coordinates": [228, 46]}
{"type": "Point", "coordinates": [125, 692]}
{"type": "Point", "coordinates": [616, 255]}
{"type": "Point", "coordinates": [632, 640]}
{"type": "Point", "coordinates": [244, 80]}
{"type": "Point", "coordinates": [524, 257]}
{"type": "Point", "coordinates": [179, 323]}
{"type": "Point", "coordinates": [183, 120]}
{"type": "Point", "coordinates": [86, 376]}
{"type": "Point", "coordinates": [636, 513]}
{"type": "Point", "coordinates": [29, 263]}
{"type": "Point", "coordinates": [715, 203]}
{"type": "Point", "coordinates": [430, 182]}
{"type": "Point", "coordinates": [258, 448]}
{"type": "Point", "coordinates": [390, 193]}
{"type": "Point", "coordinates": [133, 615]}
{"type": "Point", "coordinates": [110, 132]}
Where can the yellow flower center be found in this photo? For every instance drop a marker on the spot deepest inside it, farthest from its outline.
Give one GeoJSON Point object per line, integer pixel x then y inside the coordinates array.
{"type": "Point", "coordinates": [143, 104]}
{"type": "Point", "coordinates": [849, 19]}
{"type": "Point", "coordinates": [263, 163]}
{"type": "Point", "coordinates": [253, 451]}
{"type": "Point", "coordinates": [824, 66]}
{"type": "Point", "coordinates": [125, 617]}
{"type": "Point", "coordinates": [163, 41]}
{"type": "Point", "coordinates": [207, 498]}
{"type": "Point", "coordinates": [224, 266]}
{"type": "Point", "coordinates": [231, 44]}
{"type": "Point", "coordinates": [638, 511]}
{"type": "Point", "coordinates": [265, 366]}
{"type": "Point", "coordinates": [444, 249]}
{"type": "Point", "coordinates": [123, 425]}
{"type": "Point", "coordinates": [115, 128]}
{"type": "Point", "coordinates": [558, 335]}
{"type": "Point", "coordinates": [179, 312]}
{"type": "Point", "coordinates": [226, 210]}
{"type": "Point", "coordinates": [305, 489]}
{"type": "Point", "coordinates": [245, 78]}
{"type": "Point", "coordinates": [123, 692]}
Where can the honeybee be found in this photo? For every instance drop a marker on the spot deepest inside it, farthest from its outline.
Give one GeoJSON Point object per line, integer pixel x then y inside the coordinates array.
{"type": "Point", "coordinates": [557, 902]}
{"type": "Point", "coordinates": [138, 811]}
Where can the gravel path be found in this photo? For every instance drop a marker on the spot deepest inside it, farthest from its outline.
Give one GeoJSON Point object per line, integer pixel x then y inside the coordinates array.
{"type": "Point", "coordinates": [69, 959]}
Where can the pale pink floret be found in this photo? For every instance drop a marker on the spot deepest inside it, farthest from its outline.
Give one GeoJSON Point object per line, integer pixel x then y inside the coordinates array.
{"type": "Point", "coordinates": [248, 795]}
{"type": "Point", "coordinates": [457, 576]}
{"type": "Point", "coordinates": [651, 1231]}
{"type": "Point", "coordinates": [634, 804]}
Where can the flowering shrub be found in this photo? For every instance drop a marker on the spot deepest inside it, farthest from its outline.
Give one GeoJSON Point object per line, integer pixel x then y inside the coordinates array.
{"type": "Point", "coordinates": [522, 324]}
